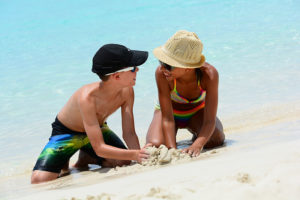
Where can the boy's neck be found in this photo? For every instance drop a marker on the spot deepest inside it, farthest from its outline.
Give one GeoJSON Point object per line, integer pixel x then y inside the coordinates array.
{"type": "Point", "coordinates": [110, 88]}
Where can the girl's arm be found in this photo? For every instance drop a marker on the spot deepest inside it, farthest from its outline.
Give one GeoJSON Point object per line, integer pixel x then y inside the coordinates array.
{"type": "Point", "coordinates": [168, 123]}
{"type": "Point", "coordinates": [210, 82]}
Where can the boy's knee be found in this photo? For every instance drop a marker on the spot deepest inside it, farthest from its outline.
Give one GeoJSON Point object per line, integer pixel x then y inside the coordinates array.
{"type": "Point", "coordinates": [35, 178]}
{"type": "Point", "coordinates": [41, 176]}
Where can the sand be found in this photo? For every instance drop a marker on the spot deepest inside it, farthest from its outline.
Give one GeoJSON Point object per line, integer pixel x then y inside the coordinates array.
{"type": "Point", "coordinates": [265, 167]}
{"type": "Point", "coordinates": [163, 155]}
{"type": "Point", "coordinates": [260, 160]}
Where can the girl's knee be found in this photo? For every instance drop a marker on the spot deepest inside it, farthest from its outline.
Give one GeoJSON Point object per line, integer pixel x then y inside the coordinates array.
{"type": "Point", "coordinates": [222, 137]}
{"type": "Point", "coordinates": [156, 142]}
{"type": "Point", "coordinates": [215, 141]}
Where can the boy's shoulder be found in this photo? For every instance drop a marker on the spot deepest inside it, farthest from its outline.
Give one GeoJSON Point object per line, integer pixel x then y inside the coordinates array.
{"type": "Point", "coordinates": [86, 93]}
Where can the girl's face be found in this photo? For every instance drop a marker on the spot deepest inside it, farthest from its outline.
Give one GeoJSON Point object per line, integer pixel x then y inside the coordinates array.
{"type": "Point", "coordinates": [171, 72]}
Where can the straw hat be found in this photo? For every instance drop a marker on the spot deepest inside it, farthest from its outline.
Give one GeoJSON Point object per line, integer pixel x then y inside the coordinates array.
{"type": "Point", "coordinates": [183, 49]}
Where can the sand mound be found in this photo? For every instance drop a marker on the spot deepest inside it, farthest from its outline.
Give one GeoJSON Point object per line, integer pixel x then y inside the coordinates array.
{"type": "Point", "coordinates": [158, 156]}
{"type": "Point", "coordinates": [163, 155]}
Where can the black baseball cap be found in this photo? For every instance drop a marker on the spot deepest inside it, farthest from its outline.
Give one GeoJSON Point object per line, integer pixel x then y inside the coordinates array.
{"type": "Point", "coordinates": [113, 57]}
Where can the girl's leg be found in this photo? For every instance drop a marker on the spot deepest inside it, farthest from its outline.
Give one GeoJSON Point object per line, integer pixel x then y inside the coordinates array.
{"type": "Point", "coordinates": [155, 132]}
{"type": "Point", "coordinates": [195, 125]}
{"type": "Point", "coordinates": [218, 137]}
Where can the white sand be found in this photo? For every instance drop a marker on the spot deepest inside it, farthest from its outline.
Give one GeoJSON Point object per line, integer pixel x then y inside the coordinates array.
{"type": "Point", "coordinates": [163, 155]}
{"type": "Point", "coordinates": [264, 164]}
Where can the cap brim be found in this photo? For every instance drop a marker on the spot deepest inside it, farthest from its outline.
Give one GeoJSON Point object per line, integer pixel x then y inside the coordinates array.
{"type": "Point", "coordinates": [138, 58]}
{"type": "Point", "coordinates": [162, 56]}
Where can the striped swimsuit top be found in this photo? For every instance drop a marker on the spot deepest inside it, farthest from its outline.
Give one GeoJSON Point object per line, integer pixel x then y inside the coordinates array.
{"type": "Point", "coordinates": [182, 117]}
{"type": "Point", "coordinates": [176, 97]}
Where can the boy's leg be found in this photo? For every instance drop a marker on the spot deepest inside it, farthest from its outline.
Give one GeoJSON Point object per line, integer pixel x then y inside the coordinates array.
{"type": "Point", "coordinates": [84, 159]}
{"type": "Point", "coordinates": [88, 156]}
{"type": "Point", "coordinates": [65, 170]}
{"type": "Point", "coordinates": [42, 176]}
{"type": "Point", "coordinates": [54, 157]}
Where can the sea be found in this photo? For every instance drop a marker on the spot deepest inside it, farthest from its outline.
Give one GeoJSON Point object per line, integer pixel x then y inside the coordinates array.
{"type": "Point", "coordinates": [46, 51]}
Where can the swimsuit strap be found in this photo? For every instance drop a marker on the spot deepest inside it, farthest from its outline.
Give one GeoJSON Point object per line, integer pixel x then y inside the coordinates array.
{"type": "Point", "coordinates": [175, 96]}
{"type": "Point", "coordinates": [174, 89]}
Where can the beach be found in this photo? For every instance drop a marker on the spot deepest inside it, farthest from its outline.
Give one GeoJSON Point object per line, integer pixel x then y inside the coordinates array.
{"type": "Point", "coordinates": [268, 169]}
{"type": "Point", "coordinates": [260, 160]}
{"type": "Point", "coordinates": [46, 55]}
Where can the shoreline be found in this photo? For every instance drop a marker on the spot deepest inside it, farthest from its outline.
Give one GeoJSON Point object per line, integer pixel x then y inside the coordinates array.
{"type": "Point", "coordinates": [265, 168]}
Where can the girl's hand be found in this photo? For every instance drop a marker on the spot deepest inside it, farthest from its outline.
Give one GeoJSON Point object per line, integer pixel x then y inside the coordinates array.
{"type": "Point", "coordinates": [193, 150]}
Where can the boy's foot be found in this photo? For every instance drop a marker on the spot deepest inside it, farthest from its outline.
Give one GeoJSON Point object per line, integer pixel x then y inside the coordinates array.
{"type": "Point", "coordinates": [64, 173]}
{"type": "Point", "coordinates": [83, 160]}
{"type": "Point", "coordinates": [65, 170]}
{"type": "Point", "coordinates": [80, 166]}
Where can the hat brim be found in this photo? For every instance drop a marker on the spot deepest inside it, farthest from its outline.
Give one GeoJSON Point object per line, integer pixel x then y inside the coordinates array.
{"type": "Point", "coordinates": [162, 56]}
{"type": "Point", "coordinates": [138, 58]}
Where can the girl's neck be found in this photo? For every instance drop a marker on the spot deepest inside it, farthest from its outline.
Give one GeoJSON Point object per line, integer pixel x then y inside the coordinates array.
{"type": "Point", "coordinates": [188, 77]}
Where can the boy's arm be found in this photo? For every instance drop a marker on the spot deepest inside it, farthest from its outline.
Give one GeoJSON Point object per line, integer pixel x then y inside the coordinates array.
{"type": "Point", "coordinates": [93, 131]}
{"type": "Point", "coordinates": [129, 134]}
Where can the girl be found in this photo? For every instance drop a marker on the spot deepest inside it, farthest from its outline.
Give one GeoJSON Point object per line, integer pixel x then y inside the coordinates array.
{"type": "Point", "coordinates": [188, 95]}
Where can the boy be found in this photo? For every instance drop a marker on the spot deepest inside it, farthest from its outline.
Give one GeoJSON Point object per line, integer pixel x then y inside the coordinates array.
{"type": "Point", "coordinates": [81, 122]}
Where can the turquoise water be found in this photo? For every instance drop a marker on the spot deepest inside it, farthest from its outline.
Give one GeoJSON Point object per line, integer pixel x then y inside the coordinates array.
{"type": "Point", "coordinates": [47, 49]}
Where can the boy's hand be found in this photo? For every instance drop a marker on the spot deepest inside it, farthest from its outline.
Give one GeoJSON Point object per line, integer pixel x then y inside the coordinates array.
{"type": "Point", "coordinates": [143, 154]}
{"type": "Point", "coordinates": [148, 145]}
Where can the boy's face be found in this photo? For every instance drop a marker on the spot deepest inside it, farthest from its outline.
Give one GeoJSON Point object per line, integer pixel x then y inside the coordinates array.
{"type": "Point", "coordinates": [128, 78]}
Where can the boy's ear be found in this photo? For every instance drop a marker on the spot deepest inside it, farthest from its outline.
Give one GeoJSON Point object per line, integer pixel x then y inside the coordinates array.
{"type": "Point", "coordinates": [116, 76]}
